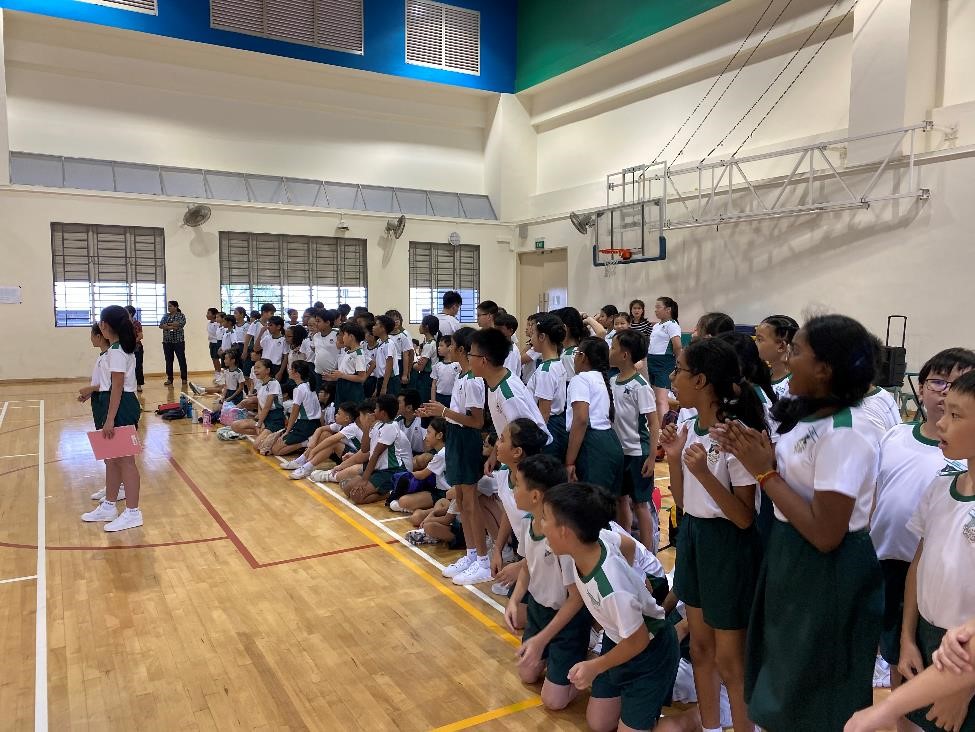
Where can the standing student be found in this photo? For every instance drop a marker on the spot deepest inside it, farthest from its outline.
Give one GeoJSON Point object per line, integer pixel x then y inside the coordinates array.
{"type": "Point", "coordinates": [719, 546]}
{"type": "Point", "coordinates": [486, 310]}
{"type": "Point", "coordinates": [910, 458]}
{"type": "Point", "coordinates": [575, 331]}
{"type": "Point", "coordinates": [423, 368]}
{"type": "Point", "coordinates": [881, 410]}
{"type": "Point", "coordinates": [449, 324]}
{"type": "Point", "coordinates": [507, 396]}
{"type": "Point", "coordinates": [117, 406]}
{"type": "Point", "coordinates": [298, 348]}
{"type": "Point", "coordinates": [387, 359]}
{"type": "Point", "coordinates": [292, 317]}
{"type": "Point", "coordinates": [594, 453]}
{"type": "Point", "coordinates": [531, 358]}
{"type": "Point", "coordinates": [306, 413]}
{"type": "Point", "coordinates": [252, 335]}
{"type": "Point", "coordinates": [638, 318]}
{"type": "Point", "coordinates": [271, 345]}
{"type": "Point", "coordinates": [773, 336]}
{"type": "Point", "coordinates": [370, 352]}
{"type": "Point", "coordinates": [350, 376]}
{"type": "Point", "coordinates": [405, 354]}
{"type": "Point", "coordinates": [140, 352]}
{"type": "Point", "coordinates": [465, 418]}
{"type": "Point", "coordinates": [633, 676]}
{"type": "Point", "coordinates": [638, 427]}
{"type": "Point", "coordinates": [174, 341]}
{"type": "Point", "coordinates": [710, 325]}
{"type": "Point", "coordinates": [556, 635]}
{"type": "Point", "coordinates": [214, 337]}
{"type": "Point", "coordinates": [508, 324]}
{"type": "Point", "coordinates": [548, 383]}
{"type": "Point", "coordinates": [94, 397]}
{"type": "Point", "coordinates": [939, 592]}
{"type": "Point", "coordinates": [444, 374]}
{"type": "Point", "coordinates": [665, 345]}
{"type": "Point", "coordinates": [821, 477]}
{"type": "Point", "coordinates": [325, 342]}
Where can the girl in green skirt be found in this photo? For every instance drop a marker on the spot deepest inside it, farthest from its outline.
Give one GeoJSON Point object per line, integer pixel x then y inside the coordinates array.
{"type": "Point", "coordinates": [422, 380]}
{"type": "Point", "coordinates": [575, 331]}
{"type": "Point", "coordinates": [594, 453]}
{"type": "Point", "coordinates": [548, 382]}
{"type": "Point", "coordinates": [306, 413]}
{"type": "Point", "coordinates": [665, 345]}
{"type": "Point", "coordinates": [270, 413]}
{"type": "Point", "coordinates": [117, 406]}
{"type": "Point", "coordinates": [350, 375]}
{"type": "Point", "coordinates": [91, 393]}
{"type": "Point", "coordinates": [816, 621]}
{"type": "Point", "coordinates": [718, 544]}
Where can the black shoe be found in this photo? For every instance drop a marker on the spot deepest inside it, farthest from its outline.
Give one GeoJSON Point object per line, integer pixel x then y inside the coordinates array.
{"type": "Point", "coordinates": [168, 383]}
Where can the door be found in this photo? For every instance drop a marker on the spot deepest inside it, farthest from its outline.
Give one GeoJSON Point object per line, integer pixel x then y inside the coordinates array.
{"type": "Point", "coordinates": [543, 282]}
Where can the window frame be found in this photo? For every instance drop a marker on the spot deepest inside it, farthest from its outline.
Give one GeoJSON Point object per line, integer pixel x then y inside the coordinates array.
{"type": "Point", "coordinates": [286, 245]}
{"type": "Point", "coordinates": [443, 38]}
{"type": "Point", "coordinates": [468, 312]}
{"type": "Point", "coordinates": [98, 250]}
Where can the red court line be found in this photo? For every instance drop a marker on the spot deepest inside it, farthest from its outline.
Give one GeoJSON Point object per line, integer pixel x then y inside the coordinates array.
{"type": "Point", "coordinates": [116, 546]}
{"type": "Point", "coordinates": [323, 554]}
{"type": "Point", "coordinates": [28, 467]}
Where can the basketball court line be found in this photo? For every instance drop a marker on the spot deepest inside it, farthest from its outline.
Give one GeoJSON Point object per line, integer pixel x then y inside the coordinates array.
{"type": "Point", "coordinates": [490, 715]}
{"type": "Point", "coordinates": [23, 454]}
{"type": "Point", "coordinates": [9, 545]}
{"type": "Point", "coordinates": [3, 412]}
{"type": "Point", "coordinates": [18, 579]}
{"type": "Point", "coordinates": [40, 635]}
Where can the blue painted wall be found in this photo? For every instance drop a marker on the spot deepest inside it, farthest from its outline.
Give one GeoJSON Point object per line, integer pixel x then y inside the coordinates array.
{"type": "Point", "coordinates": [384, 36]}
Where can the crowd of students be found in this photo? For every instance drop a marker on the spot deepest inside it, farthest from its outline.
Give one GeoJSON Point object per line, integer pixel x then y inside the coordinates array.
{"type": "Point", "coordinates": [814, 527]}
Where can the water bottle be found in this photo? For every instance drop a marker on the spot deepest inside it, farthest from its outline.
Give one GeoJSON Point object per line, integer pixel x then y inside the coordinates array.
{"type": "Point", "coordinates": [207, 419]}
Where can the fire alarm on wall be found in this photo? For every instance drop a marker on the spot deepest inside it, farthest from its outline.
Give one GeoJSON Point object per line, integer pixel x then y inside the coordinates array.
{"type": "Point", "coordinates": [454, 239]}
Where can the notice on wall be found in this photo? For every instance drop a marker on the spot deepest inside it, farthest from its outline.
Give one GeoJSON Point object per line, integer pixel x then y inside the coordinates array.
{"type": "Point", "coordinates": [10, 295]}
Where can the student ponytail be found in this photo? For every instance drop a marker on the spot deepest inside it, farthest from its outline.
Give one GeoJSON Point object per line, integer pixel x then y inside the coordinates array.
{"type": "Point", "coordinates": [118, 319]}
{"type": "Point", "coordinates": [527, 435]}
{"type": "Point", "coordinates": [669, 302]}
{"type": "Point", "coordinates": [852, 354]}
{"type": "Point", "coordinates": [303, 369]}
{"type": "Point", "coordinates": [753, 367]}
{"type": "Point", "coordinates": [552, 328]}
{"type": "Point", "coordinates": [596, 352]}
{"type": "Point", "coordinates": [716, 360]}
{"type": "Point", "coordinates": [575, 328]}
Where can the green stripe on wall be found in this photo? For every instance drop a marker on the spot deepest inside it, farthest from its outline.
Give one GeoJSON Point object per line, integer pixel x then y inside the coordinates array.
{"type": "Point", "coordinates": [555, 36]}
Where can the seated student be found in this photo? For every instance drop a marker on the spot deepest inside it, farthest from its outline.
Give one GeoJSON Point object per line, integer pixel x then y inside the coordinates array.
{"type": "Point", "coordinates": [270, 415]}
{"type": "Point", "coordinates": [350, 375]}
{"type": "Point", "coordinates": [408, 421]}
{"type": "Point", "coordinates": [940, 593]}
{"type": "Point", "coordinates": [444, 374]}
{"type": "Point", "coordinates": [435, 468]}
{"type": "Point", "coordinates": [440, 524]}
{"type": "Point", "coordinates": [306, 413]}
{"type": "Point", "coordinates": [232, 389]}
{"type": "Point", "coordinates": [632, 678]}
{"type": "Point", "coordinates": [330, 443]}
{"type": "Point", "coordinates": [952, 675]}
{"type": "Point", "coordinates": [557, 623]}
{"type": "Point", "coordinates": [389, 453]}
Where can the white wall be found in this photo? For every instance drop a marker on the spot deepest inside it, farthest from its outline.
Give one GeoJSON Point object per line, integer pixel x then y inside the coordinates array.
{"type": "Point", "coordinates": [34, 348]}
{"type": "Point", "coordinates": [86, 91]}
{"type": "Point", "coordinates": [959, 51]}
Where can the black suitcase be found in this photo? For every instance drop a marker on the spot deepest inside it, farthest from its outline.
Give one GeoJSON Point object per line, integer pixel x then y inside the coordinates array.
{"type": "Point", "coordinates": [893, 359]}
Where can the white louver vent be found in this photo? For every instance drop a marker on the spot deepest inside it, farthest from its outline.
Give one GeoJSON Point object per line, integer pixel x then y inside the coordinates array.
{"type": "Point", "coordinates": [139, 6]}
{"type": "Point", "coordinates": [443, 36]}
{"type": "Point", "coordinates": [334, 24]}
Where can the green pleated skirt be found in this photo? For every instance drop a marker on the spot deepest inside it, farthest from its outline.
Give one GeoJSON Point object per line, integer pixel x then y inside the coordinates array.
{"type": "Point", "coordinates": [129, 409]}
{"type": "Point", "coordinates": [813, 634]}
{"type": "Point", "coordinates": [600, 460]}
{"type": "Point", "coordinates": [928, 639]}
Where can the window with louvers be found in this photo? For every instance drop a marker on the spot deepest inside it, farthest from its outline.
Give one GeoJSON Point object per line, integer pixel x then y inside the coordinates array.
{"type": "Point", "coordinates": [291, 271]}
{"type": "Point", "coordinates": [437, 268]}
{"type": "Point", "coordinates": [96, 266]}
{"type": "Point", "coordinates": [443, 36]}
{"type": "Point", "coordinates": [333, 24]}
{"type": "Point", "coordinates": [139, 6]}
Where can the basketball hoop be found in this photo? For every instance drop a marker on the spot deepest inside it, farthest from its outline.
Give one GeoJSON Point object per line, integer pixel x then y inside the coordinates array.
{"type": "Point", "coordinates": [616, 256]}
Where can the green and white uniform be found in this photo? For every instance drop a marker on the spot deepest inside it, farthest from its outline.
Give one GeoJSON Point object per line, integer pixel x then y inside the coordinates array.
{"type": "Point", "coordinates": [511, 400]}
{"type": "Point", "coordinates": [816, 620]}
{"type": "Point", "coordinates": [465, 463]}
{"type": "Point", "coordinates": [880, 409]}
{"type": "Point", "coordinates": [660, 355]}
{"type": "Point", "coordinates": [548, 576]}
{"type": "Point", "coordinates": [397, 455]}
{"type": "Point", "coordinates": [633, 400]}
{"type": "Point", "coordinates": [438, 466]}
{"type": "Point", "coordinates": [309, 415]}
{"type": "Point", "coordinates": [351, 363]}
{"type": "Point", "coordinates": [548, 382]}
{"type": "Point", "coordinates": [781, 386]}
{"type": "Point", "coordinates": [415, 433]}
{"type": "Point", "coordinates": [115, 360]}
{"type": "Point", "coordinates": [600, 458]}
{"type": "Point", "coordinates": [568, 358]}
{"type": "Point", "coordinates": [617, 597]}
{"type": "Point", "coordinates": [271, 390]}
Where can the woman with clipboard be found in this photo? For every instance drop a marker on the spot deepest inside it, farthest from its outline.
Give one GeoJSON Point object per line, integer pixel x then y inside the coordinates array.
{"type": "Point", "coordinates": [115, 405]}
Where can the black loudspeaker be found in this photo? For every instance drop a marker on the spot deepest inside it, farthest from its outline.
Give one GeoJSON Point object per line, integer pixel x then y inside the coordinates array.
{"type": "Point", "coordinates": [893, 359]}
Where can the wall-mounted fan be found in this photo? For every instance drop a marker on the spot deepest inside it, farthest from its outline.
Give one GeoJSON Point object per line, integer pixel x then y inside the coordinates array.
{"type": "Point", "coordinates": [582, 222]}
{"type": "Point", "coordinates": [396, 227]}
{"type": "Point", "coordinates": [197, 215]}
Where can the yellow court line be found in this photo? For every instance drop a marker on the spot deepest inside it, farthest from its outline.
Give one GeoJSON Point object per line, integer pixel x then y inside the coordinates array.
{"type": "Point", "coordinates": [474, 612]}
{"type": "Point", "coordinates": [488, 716]}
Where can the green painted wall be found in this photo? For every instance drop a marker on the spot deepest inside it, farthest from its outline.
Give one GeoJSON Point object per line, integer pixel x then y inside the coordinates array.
{"type": "Point", "coordinates": [555, 36]}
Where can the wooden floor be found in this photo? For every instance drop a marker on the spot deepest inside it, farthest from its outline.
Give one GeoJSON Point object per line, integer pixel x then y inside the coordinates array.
{"type": "Point", "coordinates": [246, 601]}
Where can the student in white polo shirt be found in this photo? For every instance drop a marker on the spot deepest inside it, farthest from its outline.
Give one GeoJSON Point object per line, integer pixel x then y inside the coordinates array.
{"type": "Point", "coordinates": [452, 301]}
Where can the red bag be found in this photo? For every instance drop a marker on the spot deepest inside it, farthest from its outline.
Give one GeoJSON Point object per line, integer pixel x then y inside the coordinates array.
{"type": "Point", "coordinates": [166, 407]}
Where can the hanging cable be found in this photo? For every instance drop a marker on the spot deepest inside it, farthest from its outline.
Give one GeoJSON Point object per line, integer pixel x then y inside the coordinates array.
{"type": "Point", "coordinates": [656, 158]}
{"type": "Point", "coordinates": [733, 80]}
{"type": "Point", "coordinates": [777, 77]}
{"type": "Point", "coordinates": [806, 66]}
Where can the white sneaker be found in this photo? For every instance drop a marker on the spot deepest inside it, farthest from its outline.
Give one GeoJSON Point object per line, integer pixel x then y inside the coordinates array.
{"type": "Point", "coordinates": [100, 495]}
{"type": "Point", "coordinates": [323, 476]}
{"type": "Point", "coordinates": [130, 518]}
{"type": "Point", "coordinates": [508, 554]}
{"type": "Point", "coordinates": [197, 389]}
{"type": "Point", "coordinates": [303, 472]}
{"type": "Point", "coordinates": [292, 465]}
{"type": "Point", "coordinates": [501, 589]}
{"type": "Point", "coordinates": [459, 566]}
{"type": "Point", "coordinates": [394, 506]}
{"type": "Point", "coordinates": [474, 574]}
{"type": "Point", "coordinates": [105, 511]}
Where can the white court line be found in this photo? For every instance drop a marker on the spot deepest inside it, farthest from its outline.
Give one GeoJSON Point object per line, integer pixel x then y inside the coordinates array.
{"type": "Point", "coordinates": [40, 635]}
{"type": "Point", "coordinates": [3, 412]}
{"type": "Point", "coordinates": [29, 406]}
{"type": "Point", "coordinates": [376, 522]}
{"type": "Point", "coordinates": [395, 518]}
{"type": "Point", "coordinates": [23, 454]}
{"type": "Point", "coordinates": [18, 579]}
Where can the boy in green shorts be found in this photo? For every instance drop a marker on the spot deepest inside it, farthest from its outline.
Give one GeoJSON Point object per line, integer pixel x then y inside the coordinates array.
{"type": "Point", "coordinates": [389, 453]}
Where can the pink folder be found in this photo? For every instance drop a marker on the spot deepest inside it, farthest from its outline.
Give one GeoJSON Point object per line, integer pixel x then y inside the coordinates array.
{"type": "Point", "coordinates": [123, 444]}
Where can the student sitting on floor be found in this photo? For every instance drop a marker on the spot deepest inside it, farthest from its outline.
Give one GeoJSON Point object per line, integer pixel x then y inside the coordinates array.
{"type": "Point", "coordinates": [408, 421]}
{"type": "Point", "coordinates": [434, 469]}
{"type": "Point", "coordinates": [389, 453]}
{"type": "Point", "coordinates": [329, 445]}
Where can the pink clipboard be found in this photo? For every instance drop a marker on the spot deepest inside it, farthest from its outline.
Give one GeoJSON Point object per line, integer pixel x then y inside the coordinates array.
{"type": "Point", "coordinates": [123, 444]}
